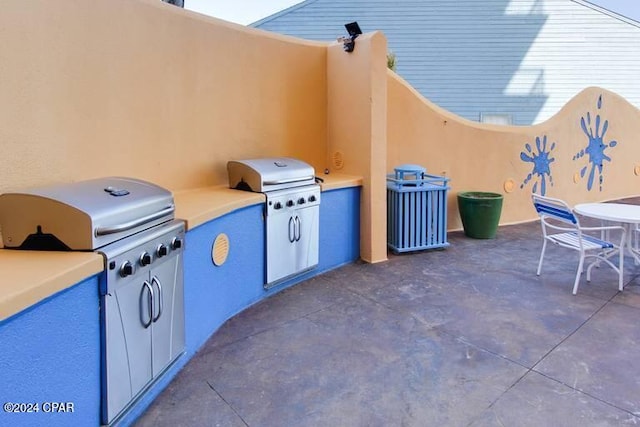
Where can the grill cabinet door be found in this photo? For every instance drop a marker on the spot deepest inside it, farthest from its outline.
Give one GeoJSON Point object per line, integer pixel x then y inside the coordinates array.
{"type": "Point", "coordinates": [168, 312]}
{"type": "Point", "coordinates": [292, 242]}
{"type": "Point", "coordinates": [308, 237]}
{"type": "Point", "coordinates": [281, 250]}
{"type": "Point", "coordinates": [128, 367]}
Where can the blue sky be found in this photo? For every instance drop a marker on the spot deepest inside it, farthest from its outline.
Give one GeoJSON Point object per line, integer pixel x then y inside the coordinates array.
{"type": "Point", "coordinates": [628, 8]}
{"type": "Point", "coordinates": [248, 11]}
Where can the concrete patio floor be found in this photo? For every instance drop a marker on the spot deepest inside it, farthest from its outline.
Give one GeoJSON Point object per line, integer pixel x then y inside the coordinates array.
{"type": "Point", "coordinates": [466, 336]}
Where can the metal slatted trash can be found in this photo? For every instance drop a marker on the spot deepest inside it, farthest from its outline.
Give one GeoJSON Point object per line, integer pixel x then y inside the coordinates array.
{"type": "Point", "coordinates": [416, 209]}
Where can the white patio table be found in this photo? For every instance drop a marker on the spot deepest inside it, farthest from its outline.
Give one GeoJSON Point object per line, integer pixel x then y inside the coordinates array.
{"type": "Point", "coordinates": [626, 215]}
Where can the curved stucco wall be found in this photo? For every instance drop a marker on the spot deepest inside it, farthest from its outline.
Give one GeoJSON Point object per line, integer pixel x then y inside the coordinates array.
{"type": "Point", "coordinates": [479, 157]}
{"type": "Point", "coordinates": [142, 88]}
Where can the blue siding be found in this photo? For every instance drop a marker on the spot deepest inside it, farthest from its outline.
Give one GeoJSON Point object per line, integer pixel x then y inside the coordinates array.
{"type": "Point", "coordinates": [526, 58]}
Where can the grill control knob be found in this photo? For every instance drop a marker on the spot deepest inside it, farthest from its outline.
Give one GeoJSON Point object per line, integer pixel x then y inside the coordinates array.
{"type": "Point", "coordinates": [290, 203]}
{"type": "Point", "coordinates": [126, 269]}
{"type": "Point", "coordinates": [301, 201]}
{"type": "Point", "coordinates": [176, 243]}
{"type": "Point", "coordinates": [278, 205]}
{"type": "Point", "coordinates": [312, 198]}
{"type": "Point", "coordinates": [145, 259]}
{"type": "Point", "coordinates": [162, 250]}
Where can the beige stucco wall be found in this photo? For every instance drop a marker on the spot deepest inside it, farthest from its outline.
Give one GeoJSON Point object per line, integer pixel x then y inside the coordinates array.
{"type": "Point", "coordinates": [145, 89]}
{"type": "Point", "coordinates": [480, 157]}
{"type": "Point", "coordinates": [357, 136]}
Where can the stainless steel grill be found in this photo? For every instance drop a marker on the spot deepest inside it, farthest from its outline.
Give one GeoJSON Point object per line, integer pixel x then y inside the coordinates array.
{"type": "Point", "coordinates": [292, 212]}
{"type": "Point", "coordinates": [131, 223]}
{"type": "Point", "coordinates": [269, 174]}
{"type": "Point", "coordinates": [85, 215]}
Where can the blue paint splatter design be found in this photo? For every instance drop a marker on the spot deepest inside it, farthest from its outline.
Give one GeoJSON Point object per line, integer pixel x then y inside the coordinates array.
{"type": "Point", "coordinates": [541, 164]}
{"type": "Point", "coordinates": [596, 147]}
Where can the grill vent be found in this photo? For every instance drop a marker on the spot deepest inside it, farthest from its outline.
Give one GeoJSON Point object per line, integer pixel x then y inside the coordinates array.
{"type": "Point", "coordinates": [509, 185]}
{"type": "Point", "coordinates": [220, 250]}
{"type": "Point", "coordinates": [338, 160]}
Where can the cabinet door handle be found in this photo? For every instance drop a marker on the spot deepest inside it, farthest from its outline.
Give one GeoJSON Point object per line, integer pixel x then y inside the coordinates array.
{"type": "Point", "coordinates": [292, 230]}
{"type": "Point", "coordinates": [299, 227]}
{"type": "Point", "coordinates": [148, 303]}
{"type": "Point", "coordinates": [156, 281]}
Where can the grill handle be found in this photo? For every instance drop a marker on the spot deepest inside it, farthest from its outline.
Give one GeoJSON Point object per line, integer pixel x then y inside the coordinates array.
{"type": "Point", "coordinates": [298, 228]}
{"type": "Point", "coordinates": [149, 304]}
{"type": "Point", "coordinates": [289, 180]}
{"type": "Point", "coordinates": [156, 281]}
{"type": "Point", "coordinates": [103, 231]}
{"type": "Point", "coordinates": [292, 230]}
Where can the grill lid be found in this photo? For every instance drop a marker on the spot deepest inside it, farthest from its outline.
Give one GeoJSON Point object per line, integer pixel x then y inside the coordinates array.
{"type": "Point", "coordinates": [84, 215]}
{"type": "Point", "coordinates": [269, 174]}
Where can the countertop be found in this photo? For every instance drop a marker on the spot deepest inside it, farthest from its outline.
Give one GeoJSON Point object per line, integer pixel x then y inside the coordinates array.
{"type": "Point", "coordinates": [201, 205]}
{"type": "Point", "coordinates": [28, 277]}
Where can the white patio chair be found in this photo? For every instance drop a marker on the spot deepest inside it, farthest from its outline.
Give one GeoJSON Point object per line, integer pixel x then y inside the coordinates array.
{"type": "Point", "coordinates": [562, 227]}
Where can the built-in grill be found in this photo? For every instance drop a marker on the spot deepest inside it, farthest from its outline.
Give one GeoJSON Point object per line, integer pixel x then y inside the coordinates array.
{"type": "Point", "coordinates": [292, 212]}
{"type": "Point", "coordinates": [131, 223]}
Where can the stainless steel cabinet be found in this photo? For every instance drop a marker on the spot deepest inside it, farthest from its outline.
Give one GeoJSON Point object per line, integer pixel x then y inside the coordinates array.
{"type": "Point", "coordinates": [143, 323]}
{"type": "Point", "coordinates": [292, 234]}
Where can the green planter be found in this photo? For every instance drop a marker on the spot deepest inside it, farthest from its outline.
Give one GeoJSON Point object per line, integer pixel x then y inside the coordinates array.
{"type": "Point", "coordinates": [480, 213]}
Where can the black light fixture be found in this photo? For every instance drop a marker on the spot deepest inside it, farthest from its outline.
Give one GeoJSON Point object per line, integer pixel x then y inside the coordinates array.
{"type": "Point", "coordinates": [349, 43]}
{"type": "Point", "coordinates": [179, 3]}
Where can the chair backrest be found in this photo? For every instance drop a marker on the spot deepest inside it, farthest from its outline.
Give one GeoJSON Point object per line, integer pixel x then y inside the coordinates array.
{"type": "Point", "coordinates": [557, 209]}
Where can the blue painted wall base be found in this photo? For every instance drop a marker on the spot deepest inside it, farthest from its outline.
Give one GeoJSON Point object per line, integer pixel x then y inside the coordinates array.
{"type": "Point", "coordinates": [51, 353]}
